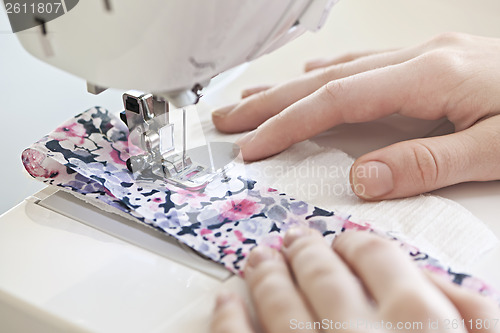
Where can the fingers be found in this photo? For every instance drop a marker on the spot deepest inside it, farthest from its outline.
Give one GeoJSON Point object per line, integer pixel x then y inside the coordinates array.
{"type": "Point", "coordinates": [230, 316]}
{"type": "Point", "coordinates": [254, 90]}
{"type": "Point", "coordinates": [333, 284]}
{"type": "Point", "coordinates": [258, 107]}
{"type": "Point", "coordinates": [325, 280]}
{"type": "Point", "coordinates": [277, 302]}
{"type": "Point", "coordinates": [379, 263]}
{"type": "Point", "coordinates": [398, 287]}
{"type": "Point", "coordinates": [422, 165]}
{"type": "Point", "coordinates": [361, 97]}
{"type": "Point", "coordinates": [479, 313]}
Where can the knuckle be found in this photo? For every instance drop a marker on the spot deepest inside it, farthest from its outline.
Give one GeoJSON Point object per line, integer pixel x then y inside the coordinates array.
{"type": "Point", "coordinates": [336, 288]}
{"type": "Point", "coordinates": [285, 119]}
{"type": "Point", "coordinates": [492, 130]}
{"type": "Point", "coordinates": [261, 98]}
{"type": "Point", "coordinates": [443, 74]}
{"type": "Point", "coordinates": [329, 283]}
{"type": "Point", "coordinates": [482, 305]}
{"type": "Point", "coordinates": [323, 75]}
{"type": "Point", "coordinates": [315, 272]}
{"type": "Point", "coordinates": [332, 90]}
{"type": "Point", "coordinates": [349, 56]}
{"type": "Point", "coordinates": [270, 293]}
{"type": "Point", "coordinates": [327, 74]}
{"type": "Point", "coordinates": [268, 279]}
{"type": "Point", "coordinates": [279, 304]}
{"type": "Point", "coordinates": [299, 249]}
{"type": "Point", "coordinates": [407, 301]}
{"type": "Point", "coordinates": [312, 270]}
{"type": "Point", "coordinates": [255, 102]}
{"type": "Point", "coordinates": [338, 90]}
{"type": "Point", "coordinates": [426, 165]}
{"type": "Point", "coordinates": [372, 245]}
{"type": "Point", "coordinates": [495, 144]}
{"type": "Point", "coordinates": [443, 61]}
{"type": "Point", "coordinates": [448, 38]}
{"type": "Point", "coordinates": [222, 324]}
{"type": "Point", "coordinates": [226, 319]}
{"type": "Point", "coordinates": [321, 288]}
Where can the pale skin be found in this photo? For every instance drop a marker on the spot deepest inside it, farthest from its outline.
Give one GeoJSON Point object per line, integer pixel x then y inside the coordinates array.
{"type": "Point", "coordinates": [362, 278]}
{"type": "Point", "coordinates": [456, 76]}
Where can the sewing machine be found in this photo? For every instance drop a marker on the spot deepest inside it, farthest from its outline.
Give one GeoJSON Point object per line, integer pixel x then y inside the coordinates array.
{"type": "Point", "coordinates": [68, 266]}
{"type": "Point", "coordinates": [169, 50]}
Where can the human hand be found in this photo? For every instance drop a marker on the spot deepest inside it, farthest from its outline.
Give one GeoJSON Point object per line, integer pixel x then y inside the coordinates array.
{"type": "Point", "coordinates": [453, 75]}
{"type": "Point", "coordinates": [364, 282]}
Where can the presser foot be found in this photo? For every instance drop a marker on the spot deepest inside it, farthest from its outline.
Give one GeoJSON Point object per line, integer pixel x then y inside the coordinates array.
{"type": "Point", "coordinates": [205, 163]}
{"type": "Point", "coordinates": [151, 144]}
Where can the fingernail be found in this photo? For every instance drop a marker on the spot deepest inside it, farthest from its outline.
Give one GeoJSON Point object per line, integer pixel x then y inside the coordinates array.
{"type": "Point", "coordinates": [222, 112]}
{"type": "Point", "coordinates": [246, 138]}
{"type": "Point", "coordinates": [260, 254]}
{"type": "Point", "coordinates": [372, 180]}
{"type": "Point", "coordinates": [223, 298]}
{"type": "Point", "coordinates": [293, 234]}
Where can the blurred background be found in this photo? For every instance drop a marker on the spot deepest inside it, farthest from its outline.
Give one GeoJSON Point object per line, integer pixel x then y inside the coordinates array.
{"type": "Point", "coordinates": [35, 98]}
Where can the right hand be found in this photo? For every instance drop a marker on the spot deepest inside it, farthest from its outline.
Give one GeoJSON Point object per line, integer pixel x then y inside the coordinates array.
{"type": "Point", "coordinates": [363, 281]}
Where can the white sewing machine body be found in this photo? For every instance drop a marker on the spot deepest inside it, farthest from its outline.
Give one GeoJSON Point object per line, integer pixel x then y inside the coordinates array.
{"type": "Point", "coordinates": [171, 49]}
{"type": "Point", "coordinates": [167, 47]}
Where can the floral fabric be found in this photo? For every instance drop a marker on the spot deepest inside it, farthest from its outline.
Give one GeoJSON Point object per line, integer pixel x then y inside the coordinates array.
{"type": "Point", "coordinates": [222, 221]}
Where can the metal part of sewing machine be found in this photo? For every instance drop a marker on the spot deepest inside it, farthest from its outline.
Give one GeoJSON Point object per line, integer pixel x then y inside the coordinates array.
{"type": "Point", "coordinates": [151, 133]}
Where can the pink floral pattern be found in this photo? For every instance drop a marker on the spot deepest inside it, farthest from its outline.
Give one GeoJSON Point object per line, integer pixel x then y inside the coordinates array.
{"type": "Point", "coordinates": [192, 198]}
{"type": "Point", "coordinates": [235, 210]}
{"type": "Point", "coordinates": [33, 162]}
{"type": "Point", "coordinates": [75, 131]}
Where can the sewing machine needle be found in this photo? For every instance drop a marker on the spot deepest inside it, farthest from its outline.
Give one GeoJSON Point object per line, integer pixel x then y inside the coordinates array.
{"type": "Point", "coordinates": [183, 138]}
{"type": "Point", "coordinates": [212, 165]}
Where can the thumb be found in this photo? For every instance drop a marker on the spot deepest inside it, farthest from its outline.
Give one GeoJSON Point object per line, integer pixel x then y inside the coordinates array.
{"type": "Point", "coordinates": [422, 165]}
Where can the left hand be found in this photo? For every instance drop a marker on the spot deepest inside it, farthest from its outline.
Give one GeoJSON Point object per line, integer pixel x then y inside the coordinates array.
{"type": "Point", "coordinates": [452, 75]}
{"type": "Point", "coordinates": [365, 280]}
